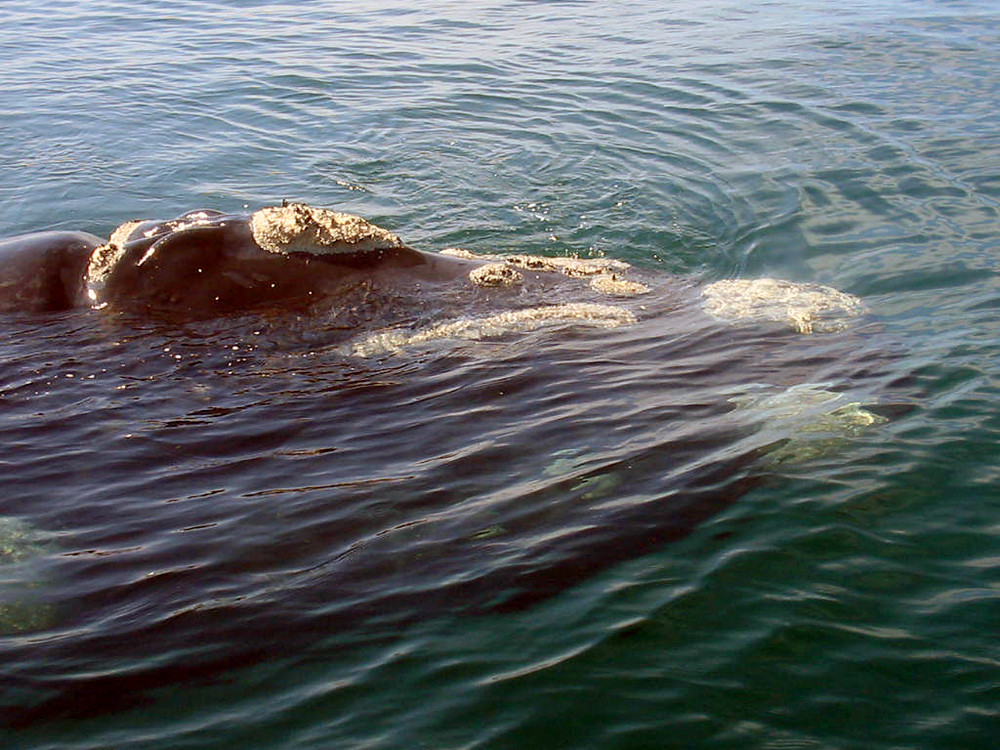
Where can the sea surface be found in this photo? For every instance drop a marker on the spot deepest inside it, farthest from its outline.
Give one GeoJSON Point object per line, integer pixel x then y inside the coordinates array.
{"type": "Point", "coordinates": [233, 533]}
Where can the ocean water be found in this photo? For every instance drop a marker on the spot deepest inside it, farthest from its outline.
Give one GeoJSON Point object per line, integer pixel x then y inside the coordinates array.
{"type": "Point", "coordinates": [231, 532]}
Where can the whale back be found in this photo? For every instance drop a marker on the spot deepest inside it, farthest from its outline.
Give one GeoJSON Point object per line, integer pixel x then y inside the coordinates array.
{"type": "Point", "coordinates": [206, 263]}
{"type": "Point", "coordinates": [198, 268]}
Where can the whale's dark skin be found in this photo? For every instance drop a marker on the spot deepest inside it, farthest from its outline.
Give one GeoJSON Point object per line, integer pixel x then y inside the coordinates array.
{"type": "Point", "coordinates": [348, 572]}
{"type": "Point", "coordinates": [206, 264]}
{"type": "Point", "coordinates": [216, 267]}
{"type": "Point", "coordinates": [44, 272]}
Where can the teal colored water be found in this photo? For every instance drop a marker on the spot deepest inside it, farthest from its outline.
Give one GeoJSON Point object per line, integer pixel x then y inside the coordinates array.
{"type": "Point", "coordinates": [269, 545]}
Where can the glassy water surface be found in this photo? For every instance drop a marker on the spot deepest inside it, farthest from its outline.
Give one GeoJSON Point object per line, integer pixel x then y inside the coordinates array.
{"type": "Point", "coordinates": [234, 533]}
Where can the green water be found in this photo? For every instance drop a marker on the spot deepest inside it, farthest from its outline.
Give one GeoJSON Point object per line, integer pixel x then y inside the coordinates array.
{"type": "Point", "coordinates": [852, 601]}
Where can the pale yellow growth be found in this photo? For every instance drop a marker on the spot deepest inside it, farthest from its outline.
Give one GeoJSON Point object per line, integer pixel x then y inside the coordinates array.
{"type": "Point", "coordinates": [568, 266]}
{"type": "Point", "coordinates": [495, 274]}
{"type": "Point", "coordinates": [121, 234]}
{"type": "Point", "coordinates": [301, 228]}
{"type": "Point", "coordinates": [807, 308]}
{"type": "Point", "coordinates": [592, 267]}
{"type": "Point", "coordinates": [612, 283]}
{"type": "Point", "coordinates": [395, 340]}
{"type": "Point", "coordinates": [461, 252]}
{"type": "Point", "coordinates": [602, 272]}
{"type": "Point", "coordinates": [106, 257]}
{"type": "Point", "coordinates": [530, 262]}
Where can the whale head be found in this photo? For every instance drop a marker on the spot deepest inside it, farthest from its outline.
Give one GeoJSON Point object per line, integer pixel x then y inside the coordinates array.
{"type": "Point", "coordinates": [210, 262]}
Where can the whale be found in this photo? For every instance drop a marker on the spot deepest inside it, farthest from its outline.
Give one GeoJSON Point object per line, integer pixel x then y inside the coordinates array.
{"type": "Point", "coordinates": [44, 271]}
{"type": "Point", "coordinates": [711, 387]}
{"type": "Point", "coordinates": [206, 263]}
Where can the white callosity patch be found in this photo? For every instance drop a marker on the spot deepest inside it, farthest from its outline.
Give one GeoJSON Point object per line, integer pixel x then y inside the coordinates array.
{"type": "Point", "coordinates": [807, 308]}
{"type": "Point", "coordinates": [300, 228]}
{"type": "Point", "coordinates": [603, 272]}
{"type": "Point", "coordinates": [120, 236]}
{"type": "Point", "coordinates": [804, 421]}
{"type": "Point", "coordinates": [496, 274]}
{"type": "Point", "coordinates": [615, 285]}
{"type": "Point", "coordinates": [529, 319]}
{"type": "Point", "coordinates": [106, 257]}
{"type": "Point", "coordinates": [461, 252]}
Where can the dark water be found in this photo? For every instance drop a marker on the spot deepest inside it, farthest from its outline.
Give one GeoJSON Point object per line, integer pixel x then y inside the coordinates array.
{"type": "Point", "coordinates": [230, 533]}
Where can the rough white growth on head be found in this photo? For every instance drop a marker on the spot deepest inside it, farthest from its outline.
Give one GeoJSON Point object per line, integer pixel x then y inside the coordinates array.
{"type": "Point", "coordinates": [105, 258]}
{"type": "Point", "coordinates": [591, 267]}
{"type": "Point", "coordinates": [530, 262]}
{"type": "Point", "coordinates": [495, 274]}
{"type": "Point", "coordinates": [304, 229]}
{"type": "Point", "coordinates": [395, 340]}
{"type": "Point", "coordinates": [807, 308]}
{"type": "Point", "coordinates": [122, 233]}
{"type": "Point", "coordinates": [602, 272]}
{"type": "Point", "coordinates": [460, 252]}
{"type": "Point", "coordinates": [544, 263]}
{"type": "Point", "coordinates": [612, 283]}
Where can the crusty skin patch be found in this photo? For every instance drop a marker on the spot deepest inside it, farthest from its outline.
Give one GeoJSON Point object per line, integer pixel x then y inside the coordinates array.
{"type": "Point", "coordinates": [461, 252]}
{"type": "Point", "coordinates": [615, 285]}
{"type": "Point", "coordinates": [575, 267]}
{"type": "Point", "coordinates": [106, 257]}
{"type": "Point", "coordinates": [121, 234]}
{"type": "Point", "coordinates": [529, 319]}
{"type": "Point", "coordinates": [807, 308]}
{"type": "Point", "coordinates": [297, 227]}
{"type": "Point", "coordinates": [530, 262]}
{"type": "Point", "coordinates": [604, 273]}
{"type": "Point", "coordinates": [496, 274]}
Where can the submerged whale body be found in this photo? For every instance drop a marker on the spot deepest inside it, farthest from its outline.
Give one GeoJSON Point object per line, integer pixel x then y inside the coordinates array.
{"type": "Point", "coordinates": [423, 485]}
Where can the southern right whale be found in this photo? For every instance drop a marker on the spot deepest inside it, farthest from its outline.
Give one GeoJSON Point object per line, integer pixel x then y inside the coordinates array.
{"type": "Point", "coordinates": [613, 443]}
{"type": "Point", "coordinates": [207, 263]}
